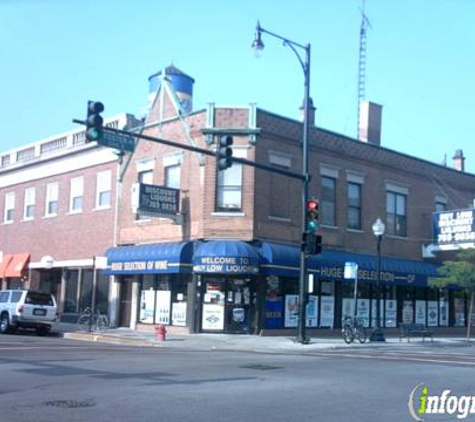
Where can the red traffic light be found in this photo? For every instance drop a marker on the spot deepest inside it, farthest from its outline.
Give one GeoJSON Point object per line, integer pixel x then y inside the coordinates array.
{"type": "Point", "coordinates": [312, 205]}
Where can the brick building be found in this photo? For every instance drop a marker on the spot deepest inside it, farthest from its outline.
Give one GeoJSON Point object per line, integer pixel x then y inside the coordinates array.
{"type": "Point", "coordinates": [229, 261]}
{"type": "Point", "coordinates": [232, 262]}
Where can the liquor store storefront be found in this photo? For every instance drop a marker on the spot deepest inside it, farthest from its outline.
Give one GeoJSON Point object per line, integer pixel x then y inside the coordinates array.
{"type": "Point", "coordinates": [227, 286]}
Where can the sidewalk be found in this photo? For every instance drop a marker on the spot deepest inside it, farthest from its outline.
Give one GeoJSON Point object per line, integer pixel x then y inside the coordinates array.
{"type": "Point", "coordinates": [249, 343]}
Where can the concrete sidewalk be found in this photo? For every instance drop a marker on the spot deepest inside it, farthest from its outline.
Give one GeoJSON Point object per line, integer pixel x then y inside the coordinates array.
{"type": "Point", "coordinates": [238, 342]}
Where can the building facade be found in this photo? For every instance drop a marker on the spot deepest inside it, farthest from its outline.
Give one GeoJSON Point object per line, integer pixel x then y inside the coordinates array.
{"type": "Point", "coordinates": [229, 260]}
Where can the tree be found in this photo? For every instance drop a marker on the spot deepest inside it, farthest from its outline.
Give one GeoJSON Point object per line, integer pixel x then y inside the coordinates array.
{"type": "Point", "coordinates": [460, 272]}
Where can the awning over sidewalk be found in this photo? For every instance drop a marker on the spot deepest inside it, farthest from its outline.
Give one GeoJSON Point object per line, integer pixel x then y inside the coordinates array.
{"type": "Point", "coordinates": [17, 265]}
{"type": "Point", "coordinates": [157, 258]}
{"type": "Point", "coordinates": [226, 257]}
{"type": "Point", "coordinates": [4, 264]}
{"type": "Point", "coordinates": [284, 260]}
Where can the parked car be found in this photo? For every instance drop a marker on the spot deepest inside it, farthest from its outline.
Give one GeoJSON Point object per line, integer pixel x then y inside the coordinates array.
{"type": "Point", "coordinates": [27, 309]}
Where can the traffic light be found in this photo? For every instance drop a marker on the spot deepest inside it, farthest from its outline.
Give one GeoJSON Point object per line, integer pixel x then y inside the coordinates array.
{"type": "Point", "coordinates": [94, 121]}
{"type": "Point", "coordinates": [224, 152]}
{"type": "Point", "coordinates": [312, 215]}
{"type": "Point", "coordinates": [311, 243]}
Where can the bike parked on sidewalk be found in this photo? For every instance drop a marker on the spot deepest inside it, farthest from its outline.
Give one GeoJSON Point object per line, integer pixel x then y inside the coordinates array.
{"type": "Point", "coordinates": [89, 321]}
{"type": "Point", "coordinates": [353, 329]}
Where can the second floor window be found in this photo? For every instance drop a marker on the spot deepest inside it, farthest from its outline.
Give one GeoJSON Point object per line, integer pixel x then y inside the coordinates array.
{"type": "Point", "coordinates": [229, 189]}
{"type": "Point", "coordinates": [77, 194]}
{"type": "Point", "coordinates": [354, 206]}
{"type": "Point", "coordinates": [172, 176]}
{"type": "Point", "coordinates": [396, 214]}
{"type": "Point", "coordinates": [51, 204]}
{"type": "Point", "coordinates": [9, 207]}
{"type": "Point", "coordinates": [30, 199]}
{"type": "Point", "coordinates": [328, 201]}
{"type": "Point", "coordinates": [103, 189]}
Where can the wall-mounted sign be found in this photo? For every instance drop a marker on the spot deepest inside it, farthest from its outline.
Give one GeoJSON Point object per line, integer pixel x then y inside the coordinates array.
{"type": "Point", "coordinates": [452, 227]}
{"type": "Point", "coordinates": [226, 265]}
{"type": "Point", "coordinates": [155, 201]}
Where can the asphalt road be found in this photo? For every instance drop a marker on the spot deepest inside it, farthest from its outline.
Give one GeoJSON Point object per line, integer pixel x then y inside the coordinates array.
{"type": "Point", "coordinates": [54, 379]}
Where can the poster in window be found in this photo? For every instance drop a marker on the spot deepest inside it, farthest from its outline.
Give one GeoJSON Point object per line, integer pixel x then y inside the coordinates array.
{"type": "Point", "coordinates": [407, 311]}
{"type": "Point", "coordinates": [444, 312]}
{"type": "Point", "coordinates": [213, 317]}
{"type": "Point", "coordinates": [147, 306]}
{"type": "Point", "coordinates": [362, 311]}
{"type": "Point", "coordinates": [421, 312]}
{"type": "Point", "coordinates": [312, 311]}
{"type": "Point", "coordinates": [327, 305]}
{"type": "Point", "coordinates": [291, 316]}
{"type": "Point", "coordinates": [391, 313]}
{"type": "Point", "coordinates": [179, 314]}
{"type": "Point", "coordinates": [459, 305]}
{"type": "Point", "coordinates": [162, 311]}
{"type": "Point", "coordinates": [432, 313]}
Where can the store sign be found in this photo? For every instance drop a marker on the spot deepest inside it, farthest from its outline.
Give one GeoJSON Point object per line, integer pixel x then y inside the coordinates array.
{"type": "Point", "coordinates": [226, 265]}
{"type": "Point", "coordinates": [155, 201]}
{"type": "Point", "coordinates": [140, 266]}
{"type": "Point", "coordinates": [452, 227]}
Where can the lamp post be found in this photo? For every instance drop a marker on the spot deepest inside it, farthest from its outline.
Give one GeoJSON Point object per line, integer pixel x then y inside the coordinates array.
{"type": "Point", "coordinates": [377, 334]}
{"type": "Point", "coordinates": [304, 61]}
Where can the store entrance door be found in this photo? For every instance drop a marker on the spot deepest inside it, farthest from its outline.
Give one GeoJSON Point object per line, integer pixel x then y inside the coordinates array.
{"type": "Point", "coordinates": [239, 306]}
{"type": "Point", "coordinates": [125, 298]}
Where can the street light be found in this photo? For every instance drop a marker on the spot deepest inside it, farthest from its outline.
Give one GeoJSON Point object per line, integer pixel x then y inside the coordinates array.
{"type": "Point", "coordinates": [258, 46]}
{"type": "Point", "coordinates": [377, 334]}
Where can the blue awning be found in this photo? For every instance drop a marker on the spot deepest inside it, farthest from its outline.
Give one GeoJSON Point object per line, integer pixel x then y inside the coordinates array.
{"type": "Point", "coordinates": [226, 257]}
{"type": "Point", "coordinates": [163, 258]}
{"type": "Point", "coordinates": [284, 260]}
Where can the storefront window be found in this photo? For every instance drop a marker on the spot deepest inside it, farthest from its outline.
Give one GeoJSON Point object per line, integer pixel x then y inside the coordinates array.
{"type": "Point", "coordinates": [406, 303]}
{"type": "Point", "coordinates": [163, 299]}
{"type": "Point", "coordinates": [459, 308]}
{"type": "Point", "coordinates": [420, 305]}
{"type": "Point", "coordinates": [432, 307]}
{"type": "Point", "coordinates": [327, 304]}
{"type": "Point", "coordinates": [390, 306]}
{"type": "Point", "coordinates": [71, 294]}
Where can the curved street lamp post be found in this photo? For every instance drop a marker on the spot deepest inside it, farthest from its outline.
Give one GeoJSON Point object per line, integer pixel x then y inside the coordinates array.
{"type": "Point", "coordinates": [258, 46]}
{"type": "Point", "coordinates": [378, 334]}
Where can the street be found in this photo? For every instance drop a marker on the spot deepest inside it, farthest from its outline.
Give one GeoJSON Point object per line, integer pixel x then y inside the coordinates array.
{"type": "Point", "coordinates": [45, 379]}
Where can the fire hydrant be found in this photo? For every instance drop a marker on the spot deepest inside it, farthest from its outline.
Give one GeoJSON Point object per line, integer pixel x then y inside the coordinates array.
{"type": "Point", "coordinates": [161, 332]}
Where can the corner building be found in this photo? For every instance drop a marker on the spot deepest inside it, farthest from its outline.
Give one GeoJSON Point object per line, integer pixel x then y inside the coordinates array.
{"type": "Point", "coordinates": [230, 261]}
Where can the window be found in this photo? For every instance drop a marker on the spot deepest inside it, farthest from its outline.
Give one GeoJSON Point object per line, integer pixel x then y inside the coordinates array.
{"type": "Point", "coordinates": [103, 189]}
{"type": "Point", "coordinates": [51, 205]}
{"type": "Point", "coordinates": [354, 206]}
{"type": "Point", "coordinates": [328, 201]}
{"type": "Point", "coordinates": [9, 207]}
{"type": "Point", "coordinates": [77, 194]}
{"type": "Point", "coordinates": [396, 214]}
{"type": "Point", "coordinates": [29, 206]}
{"type": "Point", "coordinates": [229, 196]}
{"type": "Point", "coordinates": [172, 176]}
{"type": "Point", "coordinates": [280, 185]}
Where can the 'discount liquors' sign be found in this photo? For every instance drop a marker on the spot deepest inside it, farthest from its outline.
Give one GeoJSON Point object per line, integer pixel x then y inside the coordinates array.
{"type": "Point", "coordinates": [454, 227]}
{"type": "Point", "coordinates": [156, 201]}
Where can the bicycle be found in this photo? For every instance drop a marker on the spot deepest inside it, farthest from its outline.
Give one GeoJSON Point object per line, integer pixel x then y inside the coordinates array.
{"type": "Point", "coordinates": [89, 321]}
{"type": "Point", "coordinates": [353, 329]}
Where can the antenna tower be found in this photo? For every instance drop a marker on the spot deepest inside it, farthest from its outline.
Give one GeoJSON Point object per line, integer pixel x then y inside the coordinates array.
{"type": "Point", "coordinates": [362, 65]}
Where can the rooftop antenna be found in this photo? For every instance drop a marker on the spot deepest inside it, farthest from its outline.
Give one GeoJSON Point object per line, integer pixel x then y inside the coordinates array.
{"type": "Point", "coordinates": [362, 65]}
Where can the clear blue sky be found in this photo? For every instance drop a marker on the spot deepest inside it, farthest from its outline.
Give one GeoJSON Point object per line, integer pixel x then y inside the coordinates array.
{"type": "Point", "coordinates": [57, 54]}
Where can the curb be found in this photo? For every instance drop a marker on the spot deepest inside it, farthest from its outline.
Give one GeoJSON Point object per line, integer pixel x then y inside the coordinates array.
{"type": "Point", "coordinates": [104, 338]}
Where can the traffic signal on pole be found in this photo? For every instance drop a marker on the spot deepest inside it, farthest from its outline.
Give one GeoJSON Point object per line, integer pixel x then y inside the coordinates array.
{"type": "Point", "coordinates": [312, 215]}
{"type": "Point", "coordinates": [94, 121]}
{"type": "Point", "coordinates": [224, 152]}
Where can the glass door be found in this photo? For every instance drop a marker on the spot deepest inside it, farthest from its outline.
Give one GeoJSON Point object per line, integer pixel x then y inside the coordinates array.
{"type": "Point", "coordinates": [239, 298]}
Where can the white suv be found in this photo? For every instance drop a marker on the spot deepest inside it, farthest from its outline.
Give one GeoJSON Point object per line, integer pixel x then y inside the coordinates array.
{"type": "Point", "coordinates": [27, 309]}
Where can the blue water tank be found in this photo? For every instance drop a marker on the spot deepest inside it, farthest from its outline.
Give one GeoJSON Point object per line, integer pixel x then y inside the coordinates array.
{"type": "Point", "coordinates": [181, 83]}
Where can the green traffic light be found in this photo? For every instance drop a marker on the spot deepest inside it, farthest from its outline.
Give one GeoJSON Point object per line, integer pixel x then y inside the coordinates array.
{"type": "Point", "coordinates": [312, 226]}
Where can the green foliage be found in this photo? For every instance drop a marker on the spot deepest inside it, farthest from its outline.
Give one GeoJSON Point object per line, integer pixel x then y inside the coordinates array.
{"type": "Point", "coordinates": [460, 272]}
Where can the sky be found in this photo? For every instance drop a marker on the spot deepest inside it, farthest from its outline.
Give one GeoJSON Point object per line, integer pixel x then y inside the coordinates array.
{"type": "Point", "coordinates": [58, 54]}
